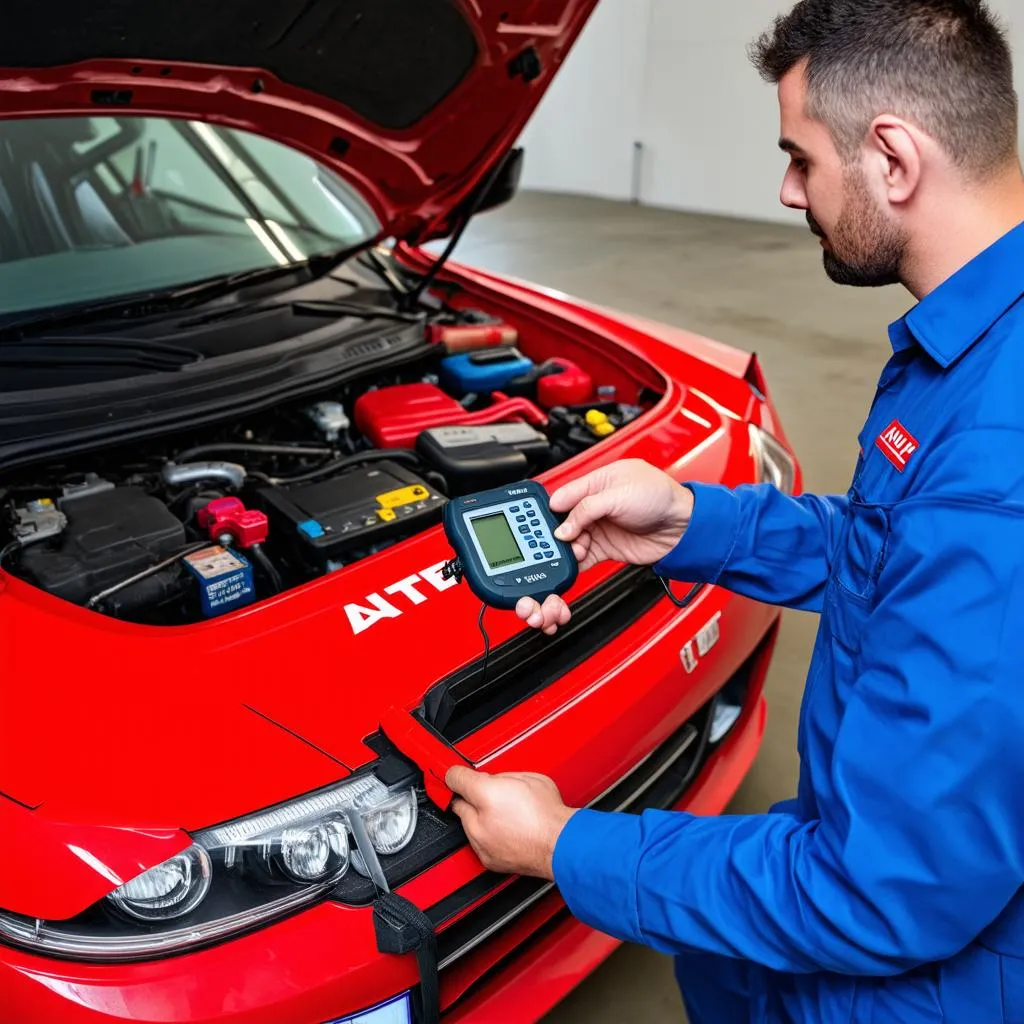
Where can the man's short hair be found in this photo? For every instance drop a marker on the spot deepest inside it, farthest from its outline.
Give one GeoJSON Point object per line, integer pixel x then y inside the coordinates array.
{"type": "Point", "coordinates": [944, 65]}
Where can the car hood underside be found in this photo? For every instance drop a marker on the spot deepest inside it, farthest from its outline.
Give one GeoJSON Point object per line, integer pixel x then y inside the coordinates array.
{"type": "Point", "coordinates": [412, 100]}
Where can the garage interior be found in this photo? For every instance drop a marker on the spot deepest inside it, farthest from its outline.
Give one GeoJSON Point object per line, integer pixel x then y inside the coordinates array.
{"type": "Point", "coordinates": [685, 227]}
{"type": "Point", "coordinates": [650, 188]}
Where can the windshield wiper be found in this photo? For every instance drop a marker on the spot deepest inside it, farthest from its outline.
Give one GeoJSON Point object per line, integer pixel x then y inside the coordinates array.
{"type": "Point", "coordinates": [156, 303]}
{"type": "Point", "coordinates": [307, 307]}
{"type": "Point", "coordinates": [98, 351]}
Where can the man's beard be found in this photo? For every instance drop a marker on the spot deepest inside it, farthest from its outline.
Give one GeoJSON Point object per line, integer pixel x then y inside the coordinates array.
{"type": "Point", "coordinates": [866, 250]}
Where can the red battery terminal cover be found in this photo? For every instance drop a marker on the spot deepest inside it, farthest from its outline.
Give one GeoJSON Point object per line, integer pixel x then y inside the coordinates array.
{"type": "Point", "coordinates": [395, 416]}
{"type": "Point", "coordinates": [563, 383]}
{"type": "Point", "coordinates": [230, 517]}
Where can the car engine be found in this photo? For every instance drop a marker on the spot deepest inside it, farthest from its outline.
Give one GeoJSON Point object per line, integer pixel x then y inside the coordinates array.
{"type": "Point", "coordinates": [190, 527]}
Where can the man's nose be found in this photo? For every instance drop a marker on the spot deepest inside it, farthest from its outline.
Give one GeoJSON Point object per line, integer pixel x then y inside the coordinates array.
{"type": "Point", "coordinates": [793, 194]}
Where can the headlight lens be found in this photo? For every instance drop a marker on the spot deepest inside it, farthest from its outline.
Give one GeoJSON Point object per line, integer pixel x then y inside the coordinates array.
{"type": "Point", "coordinates": [233, 877]}
{"type": "Point", "coordinates": [775, 465]}
{"type": "Point", "coordinates": [391, 825]}
{"type": "Point", "coordinates": [169, 890]}
{"type": "Point", "coordinates": [315, 852]}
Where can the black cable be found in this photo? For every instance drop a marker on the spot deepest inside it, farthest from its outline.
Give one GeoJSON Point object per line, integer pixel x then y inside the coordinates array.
{"type": "Point", "coordinates": [413, 296]}
{"type": "Point", "coordinates": [258, 449]}
{"type": "Point", "coordinates": [8, 551]}
{"type": "Point", "coordinates": [406, 455]}
{"type": "Point", "coordinates": [438, 480]}
{"type": "Point", "coordinates": [487, 642]}
{"type": "Point", "coordinates": [686, 601]}
{"type": "Point", "coordinates": [268, 567]}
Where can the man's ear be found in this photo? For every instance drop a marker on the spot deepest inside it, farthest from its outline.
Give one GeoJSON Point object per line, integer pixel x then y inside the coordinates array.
{"type": "Point", "coordinates": [896, 147]}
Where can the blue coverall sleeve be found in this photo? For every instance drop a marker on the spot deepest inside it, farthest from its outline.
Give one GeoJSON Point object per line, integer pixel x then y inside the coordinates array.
{"type": "Point", "coordinates": [921, 845]}
{"type": "Point", "coordinates": [756, 541]}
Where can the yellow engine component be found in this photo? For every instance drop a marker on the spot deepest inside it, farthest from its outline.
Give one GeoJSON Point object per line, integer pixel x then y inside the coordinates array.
{"type": "Point", "coordinates": [599, 423]}
{"type": "Point", "coordinates": [404, 496]}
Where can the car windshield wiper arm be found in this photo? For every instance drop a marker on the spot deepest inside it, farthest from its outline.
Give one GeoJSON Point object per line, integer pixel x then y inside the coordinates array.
{"type": "Point", "coordinates": [147, 303]}
{"type": "Point", "coordinates": [307, 307]}
{"type": "Point", "coordinates": [156, 303]}
{"type": "Point", "coordinates": [98, 351]}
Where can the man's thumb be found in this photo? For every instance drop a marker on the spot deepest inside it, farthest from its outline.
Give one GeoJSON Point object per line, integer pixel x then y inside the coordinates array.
{"type": "Point", "coordinates": [585, 514]}
{"type": "Point", "coordinates": [464, 781]}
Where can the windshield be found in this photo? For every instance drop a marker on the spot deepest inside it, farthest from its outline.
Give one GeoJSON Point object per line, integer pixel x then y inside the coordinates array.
{"type": "Point", "coordinates": [93, 208]}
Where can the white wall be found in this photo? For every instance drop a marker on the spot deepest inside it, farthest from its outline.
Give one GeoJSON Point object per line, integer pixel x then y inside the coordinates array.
{"type": "Point", "coordinates": [676, 77]}
{"type": "Point", "coordinates": [581, 137]}
{"type": "Point", "coordinates": [710, 125]}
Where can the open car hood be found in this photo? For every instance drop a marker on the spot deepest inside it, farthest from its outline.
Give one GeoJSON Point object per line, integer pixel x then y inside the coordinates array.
{"type": "Point", "coordinates": [413, 101]}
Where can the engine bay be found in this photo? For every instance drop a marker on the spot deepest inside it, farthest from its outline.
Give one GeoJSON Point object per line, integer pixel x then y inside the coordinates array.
{"type": "Point", "coordinates": [198, 524]}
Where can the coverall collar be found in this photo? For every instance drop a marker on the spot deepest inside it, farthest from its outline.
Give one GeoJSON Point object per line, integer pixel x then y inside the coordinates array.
{"type": "Point", "coordinates": [948, 321]}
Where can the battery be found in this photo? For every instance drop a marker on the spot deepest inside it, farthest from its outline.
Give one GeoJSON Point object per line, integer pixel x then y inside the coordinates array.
{"type": "Point", "coordinates": [224, 578]}
{"type": "Point", "coordinates": [353, 512]}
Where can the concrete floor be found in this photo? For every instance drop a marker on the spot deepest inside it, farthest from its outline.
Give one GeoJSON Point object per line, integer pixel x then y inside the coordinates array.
{"type": "Point", "coordinates": [760, 288]}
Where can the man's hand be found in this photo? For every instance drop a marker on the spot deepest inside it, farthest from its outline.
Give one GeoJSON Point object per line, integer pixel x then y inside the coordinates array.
{"type": "Point", "coordinates": [626, 512]}
{"type": "Point", "coordinates": [512, 821]}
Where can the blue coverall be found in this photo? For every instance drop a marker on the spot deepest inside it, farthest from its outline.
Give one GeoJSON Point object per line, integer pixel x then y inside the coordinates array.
{"type": "Point", "coordinates": [890, 889]}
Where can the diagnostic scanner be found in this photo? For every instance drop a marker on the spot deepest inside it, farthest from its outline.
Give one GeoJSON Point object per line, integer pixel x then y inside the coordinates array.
{"type": "Point", "coordinates": [506, 545]}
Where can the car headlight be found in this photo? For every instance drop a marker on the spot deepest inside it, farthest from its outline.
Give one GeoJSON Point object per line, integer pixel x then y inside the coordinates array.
{"type": "Point", "coordinates": [774, 464]}
{"type": "Point", "coordinates": [233, 877]}
{"type": "Point", "coordinates": [169, 890]}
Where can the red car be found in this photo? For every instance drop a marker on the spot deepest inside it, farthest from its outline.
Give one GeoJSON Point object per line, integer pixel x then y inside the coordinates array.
{"type": "Point", "coordinates": [235, 395]}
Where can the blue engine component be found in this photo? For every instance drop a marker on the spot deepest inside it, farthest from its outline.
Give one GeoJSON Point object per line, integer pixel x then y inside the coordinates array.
{"type": "Point", "coordinates": [483, 372]}
{"type": "Point", "coordinates": [224, 578]}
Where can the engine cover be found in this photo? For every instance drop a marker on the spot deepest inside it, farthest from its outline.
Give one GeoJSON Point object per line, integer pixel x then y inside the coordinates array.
{"type": "Point", "coordinates": [110, 536]}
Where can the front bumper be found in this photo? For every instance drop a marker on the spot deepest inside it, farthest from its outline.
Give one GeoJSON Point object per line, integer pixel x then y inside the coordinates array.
{"type": "Point", "coordinates": [322, 965]}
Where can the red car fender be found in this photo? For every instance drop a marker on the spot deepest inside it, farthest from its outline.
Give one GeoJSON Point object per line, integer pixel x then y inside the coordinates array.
{"type": "Point", "coordinates": [82, 862]}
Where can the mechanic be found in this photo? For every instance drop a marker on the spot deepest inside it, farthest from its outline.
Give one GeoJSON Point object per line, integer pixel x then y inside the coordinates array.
{"type": "Point", "coordinates": [892, 887]}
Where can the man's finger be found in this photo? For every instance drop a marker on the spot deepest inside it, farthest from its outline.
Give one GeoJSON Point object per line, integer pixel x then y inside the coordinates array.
{"type": "Point", "coordinates": [585, 514]}
{"type": "Point", "coordinates": [562, 615]}
{"type": "Point", "coordinates": [556, 613]}
{"type": "Point", "coordinates": [552, 611]}
{"type": "Point", "coordinates": [465, 782]}
{"type": "Point", "coordinates": [581, 547]}
{"type": "Point", "coordinates": [574, 492]}
{"type": "Point", "coordinates": [529, 611]}
{"type": "Point", "coordinates": [466, 812]}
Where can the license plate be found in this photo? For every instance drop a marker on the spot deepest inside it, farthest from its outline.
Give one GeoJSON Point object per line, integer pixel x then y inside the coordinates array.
{"type": "Point", "coordinates": [395, 1011]}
